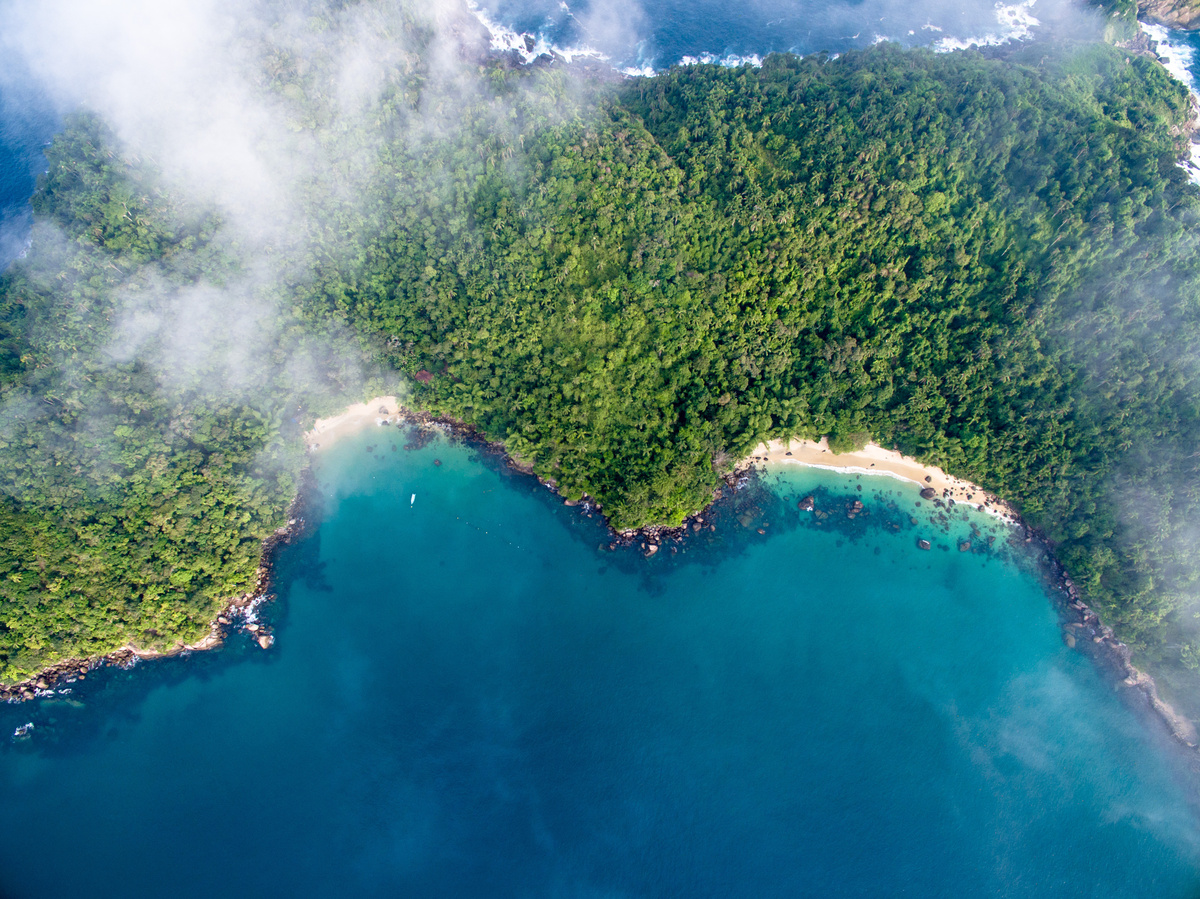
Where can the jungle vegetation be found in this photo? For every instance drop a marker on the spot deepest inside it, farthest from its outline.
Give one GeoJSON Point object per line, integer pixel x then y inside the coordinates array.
{"type": "Point", "coordinates": [985, 260]}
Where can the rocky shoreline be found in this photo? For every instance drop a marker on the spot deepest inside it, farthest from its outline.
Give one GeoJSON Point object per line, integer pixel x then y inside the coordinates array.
{"type": "Point", "coordinates": [1082, 629]}
{"type": "Point", "coordinates": [1183, 15]}
{"type": "Point", "coordinates": [240, 613]}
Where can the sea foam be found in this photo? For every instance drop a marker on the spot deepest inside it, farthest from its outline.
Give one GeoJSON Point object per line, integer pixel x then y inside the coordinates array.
{"type": "Point", "coordinates": [1177, 58]}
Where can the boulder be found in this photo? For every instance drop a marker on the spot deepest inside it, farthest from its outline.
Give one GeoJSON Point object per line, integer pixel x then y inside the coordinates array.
{"type": "Point", "coordinates": [265, 640]}
{"type": "Point", "coordinates": [807, 504]}
{"type": "Point", "coordinates": [924, 544]}
{"type": "Point", "coordinates": [1181, 14]}
{"type": "Point", "coordinates": [928, 493]}
{"type": "Point", "coordinates": [964, 546]}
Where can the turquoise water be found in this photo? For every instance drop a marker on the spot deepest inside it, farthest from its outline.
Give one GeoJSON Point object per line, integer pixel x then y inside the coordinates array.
{"type": "Point", "coordinates": [471, 695]}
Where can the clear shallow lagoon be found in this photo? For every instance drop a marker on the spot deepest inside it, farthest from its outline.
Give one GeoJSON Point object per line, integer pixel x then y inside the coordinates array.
{"type": "Point", "coordinates": [470, 697]}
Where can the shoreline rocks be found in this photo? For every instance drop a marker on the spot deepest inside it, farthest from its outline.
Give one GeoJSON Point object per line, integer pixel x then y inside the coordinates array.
{"type": "Point", "coordinates": [1083, 633]}
{"type": "Point", "coordinates": [1182, 15]}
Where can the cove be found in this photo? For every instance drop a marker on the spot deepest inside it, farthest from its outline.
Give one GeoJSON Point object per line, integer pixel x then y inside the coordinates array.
{"type": "Point", "coordinates": [470, 694]}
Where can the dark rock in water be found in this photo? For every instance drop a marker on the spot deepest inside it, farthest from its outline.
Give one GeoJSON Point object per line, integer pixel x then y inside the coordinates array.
{"type": "Point", "coordinates": [964, 546]}
{"type": "Point", "coordinates": [437, 461]}
{"type": "Point", "coordinates": [928, 493]}
{"type": "Point", "coordinates": [807, 504]}
{"type": "Point", "coordinates": [370, 449]}
{"type": "Point", "coordinates": [923, 544]}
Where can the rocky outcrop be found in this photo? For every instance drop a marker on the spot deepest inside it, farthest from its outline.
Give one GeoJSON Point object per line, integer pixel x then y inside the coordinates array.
{"type": "Point", "coordinates": [1181, 14]}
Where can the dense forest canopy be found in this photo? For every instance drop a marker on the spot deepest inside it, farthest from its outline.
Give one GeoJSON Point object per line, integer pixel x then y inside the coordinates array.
{"type": "Point", "coordinates": [987, 261]}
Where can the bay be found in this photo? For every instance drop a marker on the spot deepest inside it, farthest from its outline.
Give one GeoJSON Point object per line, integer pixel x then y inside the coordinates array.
{"type": "Point", "coordinates": [471, 695]}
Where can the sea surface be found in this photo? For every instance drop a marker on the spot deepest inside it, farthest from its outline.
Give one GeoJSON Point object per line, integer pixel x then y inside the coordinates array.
{"type": "Point", "coordinates": [27, 122]}
{"type": "Point", "coordinates": [471, 694]}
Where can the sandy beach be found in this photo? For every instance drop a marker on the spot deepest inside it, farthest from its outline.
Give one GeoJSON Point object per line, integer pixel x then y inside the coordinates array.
{"type": "Point", "coordinates": [874, 459]}
{"type": "Point", "coordinates": [327, 431]}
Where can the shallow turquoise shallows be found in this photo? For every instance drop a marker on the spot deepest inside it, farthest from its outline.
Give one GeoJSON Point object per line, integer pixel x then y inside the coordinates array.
{"type": "Point", "coordinates": [472, 695]}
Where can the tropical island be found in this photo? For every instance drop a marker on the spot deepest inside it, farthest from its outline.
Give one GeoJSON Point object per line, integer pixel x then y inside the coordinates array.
{"type": "Point", "coordinates": [982, 259]}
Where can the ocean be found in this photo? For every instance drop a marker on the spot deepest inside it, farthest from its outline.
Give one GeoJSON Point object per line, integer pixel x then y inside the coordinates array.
{"type": "Point", "coordinates": [472, 693]}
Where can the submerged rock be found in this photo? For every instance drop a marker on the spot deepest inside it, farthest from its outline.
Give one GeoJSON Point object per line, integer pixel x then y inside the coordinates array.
{"type": "Point", "coordinates": [928, 493]}
{"type": "Point", "coordinates": [924, 544]}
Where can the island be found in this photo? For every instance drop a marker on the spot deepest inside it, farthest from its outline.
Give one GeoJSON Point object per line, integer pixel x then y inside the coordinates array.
{"type": "Point", "coordinates": [982, 259]}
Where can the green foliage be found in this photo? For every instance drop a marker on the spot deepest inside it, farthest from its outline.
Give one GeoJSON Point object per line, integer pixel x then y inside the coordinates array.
{"type": "Point", "coordinates": [133, 505]}
{"type": "Point", "coordinates": [986, 262]}
{"type": "Point", "coordinates": [851, 442]}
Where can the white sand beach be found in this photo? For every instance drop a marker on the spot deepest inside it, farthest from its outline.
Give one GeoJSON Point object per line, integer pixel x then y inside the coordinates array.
{"type": "Point", "coordinates": [875, 460]}
{"type": "Point", "coordinates": [327, 431]}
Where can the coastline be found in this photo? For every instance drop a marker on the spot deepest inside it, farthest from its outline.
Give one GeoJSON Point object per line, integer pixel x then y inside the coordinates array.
{"type": "Point", "coordinates": [1081, 627]}
{"type": "Point", "coordinates": [238, 613]}
{"type": "Point", "coordinates": [875, 460]}
{"type": "Point", "coordinates": [355, 417]}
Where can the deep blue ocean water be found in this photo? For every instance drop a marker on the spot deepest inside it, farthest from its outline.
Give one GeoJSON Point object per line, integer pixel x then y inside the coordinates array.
{"type": "Point", "coordinates": [27, 122]}
{"type": "Point", "coordinates": [660, 33]}
{"type": "Point", "coordinates": [471, 695]}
